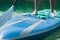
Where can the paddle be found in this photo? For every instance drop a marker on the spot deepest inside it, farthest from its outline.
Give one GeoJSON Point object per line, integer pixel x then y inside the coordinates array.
{"type": "Point", "coordinates": [7, 14]}
{"type": "Point", "coordinates": [14, 2]}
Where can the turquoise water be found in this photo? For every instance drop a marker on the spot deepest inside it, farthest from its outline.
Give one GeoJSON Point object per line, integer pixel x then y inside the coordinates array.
{"type": "Point", "coordinates": [26, 5]}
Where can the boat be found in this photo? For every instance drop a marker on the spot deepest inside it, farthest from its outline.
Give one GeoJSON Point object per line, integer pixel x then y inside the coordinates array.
{"type": "Point", "coordinates": [27, 26]}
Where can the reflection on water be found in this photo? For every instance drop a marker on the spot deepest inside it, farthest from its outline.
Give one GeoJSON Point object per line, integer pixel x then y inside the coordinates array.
{"type": "Point", "coordinates": [58, 39]}
{"type": "Point", "coordinates": [15, 14]}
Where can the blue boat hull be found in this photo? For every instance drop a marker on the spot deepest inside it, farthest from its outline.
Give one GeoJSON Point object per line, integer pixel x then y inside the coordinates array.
{"type": "Point", "coordinates": [26, 26]}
